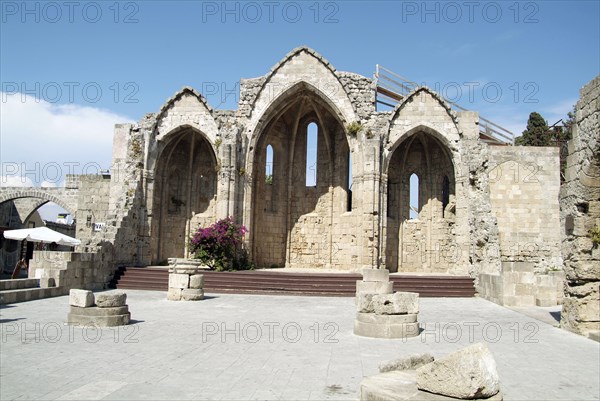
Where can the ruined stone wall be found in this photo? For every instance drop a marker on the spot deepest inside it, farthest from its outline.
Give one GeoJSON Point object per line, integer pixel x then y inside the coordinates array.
{"type": "Point", "coordinates": [70, 270]}
{"type": "Point", "coordinates": [580, 213]}
{"type": "Point", "coordinates": [523, 192]}
{"type": "Point", "coordinates": [524, 188]}
{"type": "Point", "coordinates": [189, 165]}
{"type": "Point", "coordinates": [451, 235]}
{"type": "Point", "coordinates": [92, 210]}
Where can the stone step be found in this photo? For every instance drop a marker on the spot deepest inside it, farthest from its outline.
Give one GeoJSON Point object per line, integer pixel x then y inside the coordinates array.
{"type": "Point", "coordinates": [19, 283]}
{"type": "Point", "coordinates": [29, 294]}
{"type": "Point", "coordinates": [264, 282]}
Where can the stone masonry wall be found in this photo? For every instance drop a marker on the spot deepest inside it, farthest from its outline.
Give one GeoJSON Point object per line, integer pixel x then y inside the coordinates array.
{"type": "Point", "coordinates": [92, 210]}
{"type": "Point", "coordinates": [189, 165]}
{"type": "Point", "coordinates": [524, 187]}
{"type": "Point", "coordinates": [524, 184]}
{"type": "Point", "coordinates": [580, 213]}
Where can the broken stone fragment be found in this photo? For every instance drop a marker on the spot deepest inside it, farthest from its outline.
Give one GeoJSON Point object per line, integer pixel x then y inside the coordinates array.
{"type": "Point", "coordinates": [81, 298]}
{"type": "Point", "coordinates": [178, 280]}
{"type": "Point", "coordinates": [111, 299]}
{"type": "Point", "coordinates": [190, 294]}
{"type": "Point", "coordinates": [397, 303]}
{"type": "Point", "coordinates": [197, 281]}
{"type": "Point", "coordinates": [174, 294]}
{"type": "Point", "coordinates": [469, 373]}
{"type": "Point", "coordinates": [372, 318]}
{"type": "Point", "coordinates": [364, 302]}
{"type": "Point", "coordinates": [376, 275]}
{"type": "Point", "coordinates": [407, 363]}
{"type": "Point", "coordinates": [375, 287]}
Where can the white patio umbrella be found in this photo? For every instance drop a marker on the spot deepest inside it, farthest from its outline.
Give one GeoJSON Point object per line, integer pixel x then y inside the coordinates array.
{"type": "Point", "coordinates": [41, 234]}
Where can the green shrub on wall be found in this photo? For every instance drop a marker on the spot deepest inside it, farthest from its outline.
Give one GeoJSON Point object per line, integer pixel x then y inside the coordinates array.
{"type": "Point", "coordinates": [595, 235]}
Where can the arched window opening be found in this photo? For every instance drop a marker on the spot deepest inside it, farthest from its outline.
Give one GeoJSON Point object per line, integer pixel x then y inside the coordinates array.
{"type": "Point", "coordinates": [349, 184]}
{"type": "Point", "coordinates": [269, 166]}
{"type": "Point", "coordinates": [312, 134]}
{"type": "Point", "coordinates": [414, 196]}
{"type": "Point", "coordinates": [445, 194]}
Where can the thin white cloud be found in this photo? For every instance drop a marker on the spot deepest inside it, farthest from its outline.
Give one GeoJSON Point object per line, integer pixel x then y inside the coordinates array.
{"type": "Point", "coordinates": [47, 184]}
{"type": "Point", "coordinates": [465, 49]}
{"type": "Point", "coordinates": [507, 36]}
{"type": "Point", "coordinates": [558, 110]}
{"type": "Point", "coordinates": [43, 141]}
{"type": "Point", "coordinates": [15, 181]}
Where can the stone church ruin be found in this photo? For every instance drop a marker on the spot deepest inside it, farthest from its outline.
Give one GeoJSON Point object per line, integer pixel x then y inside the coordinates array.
{"type": "Point", "coordinates": [322, 179]}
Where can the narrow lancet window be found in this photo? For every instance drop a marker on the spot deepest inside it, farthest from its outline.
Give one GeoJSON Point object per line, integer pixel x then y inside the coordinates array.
{"type": "Point", "coordinates": [312, 134]}
{"type": "Point", "coordinates": [414, 196]}
{"type": "Point", "coordinates": [269, 166]}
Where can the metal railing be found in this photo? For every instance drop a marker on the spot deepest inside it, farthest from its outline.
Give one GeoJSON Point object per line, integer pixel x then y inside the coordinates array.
{"type": "Point", "coordinates": [391, 88]}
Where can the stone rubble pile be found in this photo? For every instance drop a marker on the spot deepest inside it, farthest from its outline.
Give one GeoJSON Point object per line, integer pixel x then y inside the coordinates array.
{"type": "Point", "coordinates": [469, 373]}
{"type": "Point", "coordinates": [106, 309]}
{"type": "Point", "coordinates": [382, 313]}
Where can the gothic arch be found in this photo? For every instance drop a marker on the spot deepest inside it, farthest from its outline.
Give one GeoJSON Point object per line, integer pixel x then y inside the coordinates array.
{"type": "Point", "coordinates": [411, 244]}
{"type": "Point", "coordinates": [296, 209]}
{"type": "Point", "coordinates": [184, 190]}
{"type": "Point", "coordinates": [407, 117]}
{"type": "Point", "coordinates": [284, 76]}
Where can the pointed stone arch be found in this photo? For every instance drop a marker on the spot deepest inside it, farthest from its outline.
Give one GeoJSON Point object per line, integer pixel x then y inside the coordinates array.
{"type": "Point", "coordinates": [423, 108]}
{"type": "Point", "coordinates": [419, 245]}
{"type": "Point", "coordinates": [186, 109]}
{"type": "Point", "coordinates": [283, 233]}
{"type": "Point", "coordinates": [316, 72]}
{"type": "Point", "coordinates": [184, 190]}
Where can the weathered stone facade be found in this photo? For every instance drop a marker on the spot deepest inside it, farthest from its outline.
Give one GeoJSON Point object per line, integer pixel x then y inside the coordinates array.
{"type": "Point", "coordinates": [580, 211]}
{"type": "Point", "coordinates": [189, 164]}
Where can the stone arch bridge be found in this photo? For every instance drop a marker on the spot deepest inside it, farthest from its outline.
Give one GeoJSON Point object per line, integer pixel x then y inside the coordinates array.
{"type": "Point", "coordinates": [64, 197]}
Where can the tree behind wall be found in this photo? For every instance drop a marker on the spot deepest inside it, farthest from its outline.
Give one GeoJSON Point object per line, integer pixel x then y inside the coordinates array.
{"type": "Point", "coordinates": [537, 132]}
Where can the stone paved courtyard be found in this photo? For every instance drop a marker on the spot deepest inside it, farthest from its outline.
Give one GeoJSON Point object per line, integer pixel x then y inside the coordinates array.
{"type": "Point", "coordinates": [245, 347]}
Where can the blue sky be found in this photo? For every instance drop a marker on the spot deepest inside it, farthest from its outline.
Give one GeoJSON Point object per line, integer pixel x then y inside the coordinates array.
{"type": "Point", "coordinates": [87, 65]}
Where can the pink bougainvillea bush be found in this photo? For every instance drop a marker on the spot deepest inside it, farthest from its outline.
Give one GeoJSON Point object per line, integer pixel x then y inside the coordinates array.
{"type": "Point", "coordinates": [219, 245]}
